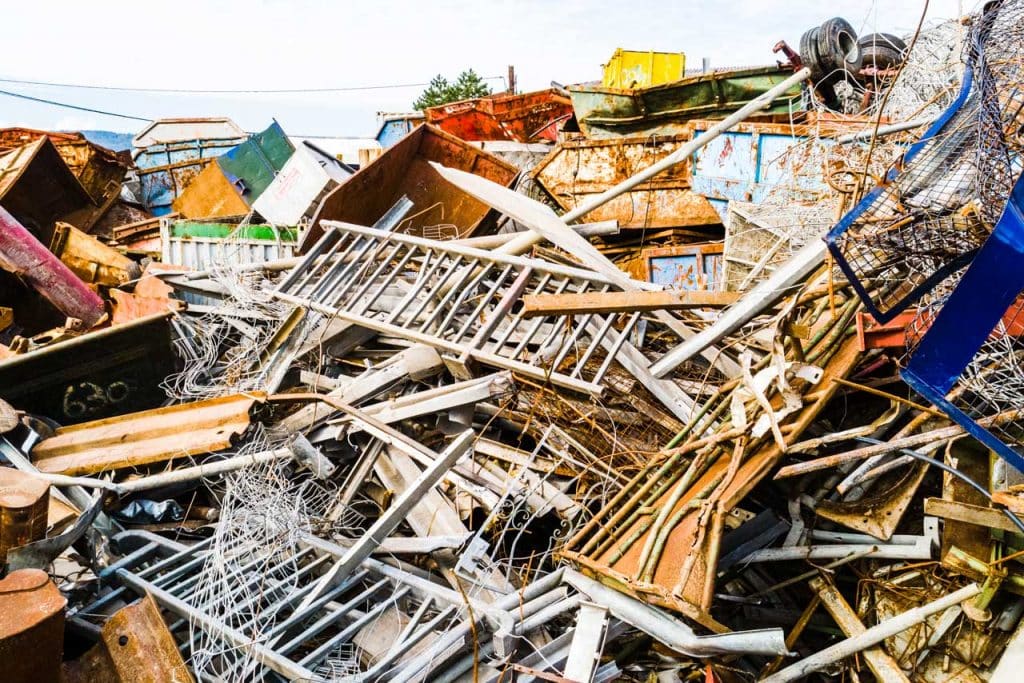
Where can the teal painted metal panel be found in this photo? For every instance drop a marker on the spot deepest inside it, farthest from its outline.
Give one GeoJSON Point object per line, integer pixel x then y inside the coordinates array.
{"type": "Point", "coordinates": [253, 165]}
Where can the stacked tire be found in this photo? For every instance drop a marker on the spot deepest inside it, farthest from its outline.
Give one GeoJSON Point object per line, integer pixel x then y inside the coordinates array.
{"type": "Point", "coordinates": [834, 54]}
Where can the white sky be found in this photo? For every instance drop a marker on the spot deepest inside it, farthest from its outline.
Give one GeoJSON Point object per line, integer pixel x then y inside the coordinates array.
{"type": "Point", "coordinates": [273, 44]}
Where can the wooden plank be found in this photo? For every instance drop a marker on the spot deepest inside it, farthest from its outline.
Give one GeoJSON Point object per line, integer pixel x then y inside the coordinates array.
{"type": "Point", "coordinates": [992, 518]}
{"type": "Point", "coordinates": [623, 302]}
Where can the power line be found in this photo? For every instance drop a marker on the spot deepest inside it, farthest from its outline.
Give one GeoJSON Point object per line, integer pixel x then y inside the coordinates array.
{"type": "Point", "coordinates": [191, 91]}
{"type": "Point", "coordinates": [134, 118]}
{"type": "Point", "coordinates": [73, 106]}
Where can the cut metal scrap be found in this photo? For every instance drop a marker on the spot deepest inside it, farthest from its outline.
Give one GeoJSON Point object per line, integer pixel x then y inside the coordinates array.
{"type": "Point", "coordinates": [882, 665]}
{"type": "Point", "coordinates": [673, 563]}
{"type": "Point", "coordinates": [674, 633]}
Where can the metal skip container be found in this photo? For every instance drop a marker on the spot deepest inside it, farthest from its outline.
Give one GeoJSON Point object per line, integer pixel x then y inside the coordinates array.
{"type": "Point", "coordinates": [577, 170]}
{"type": "Point", "coordinates": [439, 209]}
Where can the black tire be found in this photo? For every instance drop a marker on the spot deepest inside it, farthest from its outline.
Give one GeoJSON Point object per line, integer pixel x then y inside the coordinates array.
{"type": "Point", "coordinates": [837, 46]}
{"type": "Point", "coordinates": [809, 54]}
{"type": "Point", "coordinates": [882, 50]}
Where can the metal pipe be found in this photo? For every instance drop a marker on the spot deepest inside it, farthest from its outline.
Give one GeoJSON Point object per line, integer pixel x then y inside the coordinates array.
{"type": "Point", "coordinates": [869, 133]}
{"type": "Point", "coordinates": [871, 636]}
{"type": "Point", "coordinates": [674, 633]}
{"type": "Point", "coordinates": [393, 516]}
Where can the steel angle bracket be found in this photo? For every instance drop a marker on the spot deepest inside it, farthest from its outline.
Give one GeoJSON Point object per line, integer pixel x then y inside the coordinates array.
{"type": "Point", "coordinates": [832, 239]}
{"type": "Point", "coordinates": [987, 290]}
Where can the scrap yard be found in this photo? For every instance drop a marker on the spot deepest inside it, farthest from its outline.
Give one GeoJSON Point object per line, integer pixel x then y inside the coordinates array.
{"type": "Point", "coordinates": [682, 372]}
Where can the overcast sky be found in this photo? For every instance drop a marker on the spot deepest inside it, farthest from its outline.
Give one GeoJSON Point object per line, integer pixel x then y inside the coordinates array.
{"type": "Point", "coordinates": [274, 44]}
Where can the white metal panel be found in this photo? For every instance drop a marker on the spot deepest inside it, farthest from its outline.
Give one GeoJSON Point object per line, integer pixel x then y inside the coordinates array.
{"type": "Point", "coordinates": [289, 197]}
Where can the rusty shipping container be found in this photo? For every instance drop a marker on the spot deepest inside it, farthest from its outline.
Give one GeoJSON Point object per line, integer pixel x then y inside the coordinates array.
{"type": "Point", "coordinates": [440, 210]}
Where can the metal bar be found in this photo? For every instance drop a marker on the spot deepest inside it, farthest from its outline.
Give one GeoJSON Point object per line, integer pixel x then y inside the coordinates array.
{"type": "Point", "coordinates": [426, 300]}
{"type": "Point", "coordinates": [587, 642]}
{"type": "Point", "coordinates": [346, 634]}
{"type": "Point", "coordinates": [395, 272]}
{"type": "Point", "coordinates": [495, 317]}
{"type": "Point", "coordinates": [394, 515]}
{"type": "Point", "coordinates": [479, 254]}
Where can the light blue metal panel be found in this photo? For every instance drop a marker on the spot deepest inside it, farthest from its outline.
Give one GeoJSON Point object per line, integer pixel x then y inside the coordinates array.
{"type": "Point", "coordinates": [393, 131]}
{"type": "Point", "coordinates": [714, 266]}
{"type": "Point", "coordinates": [678, 272]}
{"type": "Point", "coordinates": [726, 167]}
{"type": "Point", "coordinates": [749, 166]}
{"type": "Point", "coordinates": [160, 188]}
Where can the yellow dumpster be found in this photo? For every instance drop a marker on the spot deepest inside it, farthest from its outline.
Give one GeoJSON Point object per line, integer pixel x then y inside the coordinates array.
{"type": "Point", "coordinates": [636, 69]}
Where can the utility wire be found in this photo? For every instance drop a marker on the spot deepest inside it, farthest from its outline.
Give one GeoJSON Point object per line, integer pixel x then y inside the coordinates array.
{"type": "Point", "coordinates": [74, 106]}
{"type": "Point", "coordinates": [142, 118]}
{"type": "Point", "coordinates": [180, 91]}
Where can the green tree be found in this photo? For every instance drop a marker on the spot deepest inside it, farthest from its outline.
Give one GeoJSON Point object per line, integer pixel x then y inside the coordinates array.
{"type": "Point", "coordinates": [440, 91]}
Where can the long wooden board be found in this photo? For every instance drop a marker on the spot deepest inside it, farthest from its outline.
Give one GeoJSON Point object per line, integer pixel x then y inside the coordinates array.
{"type": "Point", "coordinates": [623, 302]}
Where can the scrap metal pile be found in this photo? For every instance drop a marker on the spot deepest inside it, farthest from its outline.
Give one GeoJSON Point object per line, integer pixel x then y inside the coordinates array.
{"type": "Point", "coordinates": [560, 386]}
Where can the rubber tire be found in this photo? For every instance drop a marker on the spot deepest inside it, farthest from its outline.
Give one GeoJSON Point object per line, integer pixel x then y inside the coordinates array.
{"type": "Point", "coordinates": [882, 50]}
{"type": "Point", "coordinates": [809, 54]}
{"type": "Point", "coordinates": [837, 46]}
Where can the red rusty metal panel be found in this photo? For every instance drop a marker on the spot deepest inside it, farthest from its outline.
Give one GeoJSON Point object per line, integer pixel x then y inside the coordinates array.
{"type": "Point", "coordinates": [527, 117]}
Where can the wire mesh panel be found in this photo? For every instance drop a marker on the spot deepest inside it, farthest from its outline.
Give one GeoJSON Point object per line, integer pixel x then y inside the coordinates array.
{"type": "Point", "coordinates": [932, 213]}
{"type": "Point", "coordinates": [344, 633]}
{"type": "Point", "coordinates": [463, 301]}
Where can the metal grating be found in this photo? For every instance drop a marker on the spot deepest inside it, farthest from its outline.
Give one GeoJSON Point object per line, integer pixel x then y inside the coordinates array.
{"type": "Point", "coordinates": [932, 214]}
{"type": "Point", "coordinates": [462, 300]}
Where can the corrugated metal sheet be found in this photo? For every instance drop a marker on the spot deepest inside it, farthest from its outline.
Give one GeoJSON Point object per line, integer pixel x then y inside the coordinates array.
{"type": "Point", "coordinates": [200, 245]}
